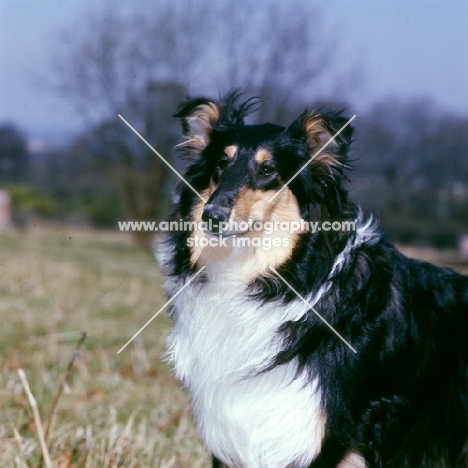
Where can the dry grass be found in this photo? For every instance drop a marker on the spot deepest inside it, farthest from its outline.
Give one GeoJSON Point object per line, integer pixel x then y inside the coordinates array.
{"type": "Point", "coordinates": [443, 257]}
{"type": "Point", "coordinates": [116, 410]}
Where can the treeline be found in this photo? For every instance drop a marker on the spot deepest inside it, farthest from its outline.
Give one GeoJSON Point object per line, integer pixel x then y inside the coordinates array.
{"type": "Point", "coordinates": [410, 167]}
{"type": "Point", "coordinates": [411, 159]}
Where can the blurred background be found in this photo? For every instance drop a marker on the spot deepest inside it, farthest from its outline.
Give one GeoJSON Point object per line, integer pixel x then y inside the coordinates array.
{"type": "Point", "coordinates": [68, 68]}
{"type": "Point", "coordinates": [70, 169]}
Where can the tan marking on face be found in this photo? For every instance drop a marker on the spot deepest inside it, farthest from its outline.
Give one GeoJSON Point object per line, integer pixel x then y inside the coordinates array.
{"type": "Point", "coordinates": [352, 460]}
{"type": "Point", "coordinates": [263, 155]}
{"type": "Point", "coordinates": [230, 151]}
{"type": "Point", "coordinates": [253, 205]}
{"type": "Point", "coordinates": [249, 257]}
{"type": "Point", "coordinates": [213, 186]}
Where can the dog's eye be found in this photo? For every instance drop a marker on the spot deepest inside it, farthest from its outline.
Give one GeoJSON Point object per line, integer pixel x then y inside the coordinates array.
{"type": "Point", "coordinates": [222, 163]}
{"type": "Point", "coordinates": [267, 168]}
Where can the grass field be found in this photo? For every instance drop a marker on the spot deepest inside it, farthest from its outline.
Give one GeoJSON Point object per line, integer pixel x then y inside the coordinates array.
{"type": "Point", "coordinates": [116, 410]}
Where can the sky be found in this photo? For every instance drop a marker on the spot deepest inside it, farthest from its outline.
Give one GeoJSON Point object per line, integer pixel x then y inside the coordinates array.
{"type": "Point", "coordinates": [405, 50]}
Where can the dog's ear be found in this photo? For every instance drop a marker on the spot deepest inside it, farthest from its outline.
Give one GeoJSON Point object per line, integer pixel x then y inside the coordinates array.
{"type": "Point", "coordinates": [202, 116]}
{"type": "Point", "coordinates": [316, 129]}
{"type": "Point", "coordinates": [198, 118]}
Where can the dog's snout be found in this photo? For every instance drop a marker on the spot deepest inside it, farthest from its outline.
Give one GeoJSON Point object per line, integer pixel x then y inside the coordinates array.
{"type": "Point", "coordinates": [214, 215]}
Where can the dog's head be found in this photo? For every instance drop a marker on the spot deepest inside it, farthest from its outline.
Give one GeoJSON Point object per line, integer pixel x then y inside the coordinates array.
{"type": "Point", "coordinates": [251, 174]}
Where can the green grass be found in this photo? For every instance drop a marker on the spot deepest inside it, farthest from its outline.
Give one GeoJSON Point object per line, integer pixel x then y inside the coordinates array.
{"type": "Point", "coordinates": [118, 410]}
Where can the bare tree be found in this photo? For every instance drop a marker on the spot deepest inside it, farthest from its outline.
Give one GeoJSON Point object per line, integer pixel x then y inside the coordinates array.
{"type": "Point", "coordinates": [412, 158]}
{"type": "Point", "coordinates": [414, 146]}
{"type": "Point", "coordinates": [117, 62]}
{"type": "Point", "coordinates": [282, 53]}
{"type": "Point", "coordinates": [138, 62]}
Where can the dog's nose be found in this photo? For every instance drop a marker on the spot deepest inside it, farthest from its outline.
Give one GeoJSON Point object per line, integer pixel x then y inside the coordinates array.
{"type": "Point", "coordinates": [214, 215]}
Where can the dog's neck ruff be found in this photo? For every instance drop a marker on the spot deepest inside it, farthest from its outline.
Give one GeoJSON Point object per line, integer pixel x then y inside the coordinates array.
{"type": "Point", "coordinates": [367, 232]}
{"type": "Point", "coordinates": [221, 343]}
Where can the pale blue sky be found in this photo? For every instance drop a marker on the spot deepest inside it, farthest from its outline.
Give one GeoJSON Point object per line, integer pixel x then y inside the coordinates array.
{"type": "Point", "coordinates": [407, 49]}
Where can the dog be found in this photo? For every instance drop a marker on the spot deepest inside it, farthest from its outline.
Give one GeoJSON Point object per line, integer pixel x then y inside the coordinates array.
{"type": "Point", "coordinates": [328, 349]}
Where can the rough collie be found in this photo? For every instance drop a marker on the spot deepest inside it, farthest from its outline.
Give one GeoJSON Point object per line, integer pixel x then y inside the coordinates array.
{"type": "Point", "coordinates": [305, 347]}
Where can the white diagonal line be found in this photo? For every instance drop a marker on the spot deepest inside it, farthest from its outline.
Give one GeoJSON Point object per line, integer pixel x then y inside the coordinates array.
{"type": "Point", "coordinates": [161, 309]}
{"type": "Point", "coordinates": [163, 160]}
{"type": "Point", "coordinates": [313, 310]}
{"type": "Point", "coordinates": [312, 158]}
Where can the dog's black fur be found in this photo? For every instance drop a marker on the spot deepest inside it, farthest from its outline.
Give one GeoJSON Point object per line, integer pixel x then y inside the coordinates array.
{"type": "Point", "coordinates": [402, 400]}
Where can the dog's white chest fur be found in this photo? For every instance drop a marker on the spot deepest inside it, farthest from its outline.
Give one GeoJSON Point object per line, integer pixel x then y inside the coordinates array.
{"type": "Point", "coordinates": [220, 340]}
